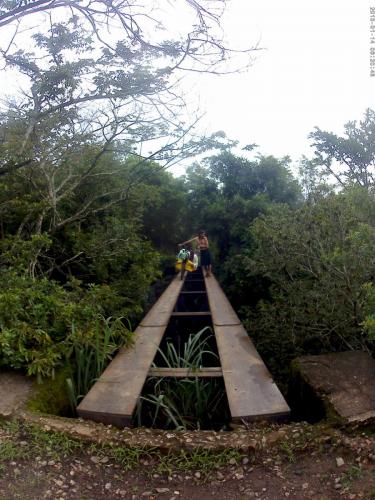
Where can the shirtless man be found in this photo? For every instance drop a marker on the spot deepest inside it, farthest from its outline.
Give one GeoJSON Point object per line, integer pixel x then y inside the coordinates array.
{"type": "Point", "coordinates": [202, 243]}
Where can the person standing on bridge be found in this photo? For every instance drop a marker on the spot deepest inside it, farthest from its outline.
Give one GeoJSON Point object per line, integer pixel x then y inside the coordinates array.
{"type": "Point", "coordinates": [202, 244]}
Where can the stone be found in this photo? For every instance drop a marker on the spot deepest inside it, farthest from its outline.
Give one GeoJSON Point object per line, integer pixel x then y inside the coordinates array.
{"type": "Point", "coordinates": [197, 475]}
{"type": "Point", "coordinates": [339, 462]}
{"type": "Point", "coordinates": [15, 390]}
{"type": "Point", "coordinates": [161, 490]}
{"type": "Point", "coordinates": [335, 385]}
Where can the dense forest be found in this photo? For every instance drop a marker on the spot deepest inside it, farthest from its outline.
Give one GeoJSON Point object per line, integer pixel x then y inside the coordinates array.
{"type": "Point", "coordinates": [89, 223]}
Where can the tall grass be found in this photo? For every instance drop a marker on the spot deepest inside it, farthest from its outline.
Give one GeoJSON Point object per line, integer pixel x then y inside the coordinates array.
{"type": "Point", "coordinates": [89, 359]}
{"type": "Point", "coordinates": [191, 356]}
{"type": "Point", "coordinates": [189, 403]}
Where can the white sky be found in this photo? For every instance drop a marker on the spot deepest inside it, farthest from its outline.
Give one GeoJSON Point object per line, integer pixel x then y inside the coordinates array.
{"type": "Point", "coordinates": [314, 71]}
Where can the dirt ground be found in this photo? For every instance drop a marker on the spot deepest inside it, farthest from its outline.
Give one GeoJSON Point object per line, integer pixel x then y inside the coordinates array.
{"type": "Point", "coordinates": [35, 464]}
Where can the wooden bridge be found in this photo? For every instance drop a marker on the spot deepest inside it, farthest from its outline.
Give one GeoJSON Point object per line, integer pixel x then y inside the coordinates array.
{"type": "Point", "coordinates": [193, 303]}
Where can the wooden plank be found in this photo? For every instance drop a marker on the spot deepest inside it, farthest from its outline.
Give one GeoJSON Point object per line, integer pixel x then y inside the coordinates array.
{"type": "Point", "coordinates": [250, 389]}
{"type": "Point", "coordinates": [249, 386]}
{"type": "Point", "coordinates": [190, 313]}
{"type": "Point", "coordinates": [160, 313]}
{"type": "Point", "coordinates": [116, 392]}
{"type": "Point", "coordinates": [114, 396]}
{"type": "Point", "coordinates": [186, 372]}
{"type": "Point", "coordinates": [221, 310]}
{"type": "Point", "coordinates": [192, 291]}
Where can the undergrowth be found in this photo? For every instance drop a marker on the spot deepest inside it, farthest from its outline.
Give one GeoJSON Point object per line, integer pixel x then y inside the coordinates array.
{"type": "Point", "coordinates": [89, 359]}
{"type": "Point", "coordinates": [187, 403]}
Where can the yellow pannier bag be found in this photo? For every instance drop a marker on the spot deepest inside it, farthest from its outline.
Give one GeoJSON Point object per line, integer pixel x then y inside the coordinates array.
{"type": "Point", "coordinates": [189, 265]}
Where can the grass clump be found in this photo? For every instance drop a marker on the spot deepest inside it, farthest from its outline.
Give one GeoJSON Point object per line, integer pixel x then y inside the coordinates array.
{"type": "Point", "coordinates": [27, 440]}
{"type": "Point", "coordinates": [353, 473]}
{"type": "Point", "coordinates": [288, 451]}
{"type": "Point", "coordinates": [129, 457]}
{"type": "Point", "coordinates": [204, 461]}
{"type": "Point", "coordinates": [88, 358]}
{"type": "Point", "coordinates": [55, 444]}
{"type": "Point", "coordinates": [188, 403]}
{"type": "Point", "coordinates": [192, 353]}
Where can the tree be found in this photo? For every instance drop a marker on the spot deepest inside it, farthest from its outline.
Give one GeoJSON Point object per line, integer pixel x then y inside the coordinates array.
{"type": "Point", "coordinates": [349, 160]}
{"type": "Point", "coordinates": [225, 195]}
{"type": "Point", "coordinates": [200, 46]}
{"type": "Point", "coordinates": [266, 175]}
{"type": "Point", "coordinates": [319, 262]}
{"type": "Point", "coordinates": [83, 146]}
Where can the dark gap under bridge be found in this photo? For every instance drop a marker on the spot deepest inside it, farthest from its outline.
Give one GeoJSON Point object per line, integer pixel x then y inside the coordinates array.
{"type": "Point", "coordinates": [250, 390]}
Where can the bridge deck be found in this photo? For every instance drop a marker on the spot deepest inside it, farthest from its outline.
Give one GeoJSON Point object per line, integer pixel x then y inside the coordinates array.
{"type": "Point", "coordinates": [250, 389]}
{"type": "Point", "coordinates": [249, 386]}
{"type": "Point", "coordinates": [113, 398]}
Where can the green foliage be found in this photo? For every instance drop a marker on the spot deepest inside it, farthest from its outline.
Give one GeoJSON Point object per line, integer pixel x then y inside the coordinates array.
{"type": "Point", "coordinates": [36, 320]}
{"type": "Point", "coordinates": [55, 444]}
{"type": "Point", "coordinates": [33, 323]}
{"type": "Point", "coordinates": [348, 160]}
{"type": "Point", "coordinates": [89, 356]}
{"type": "Point", "coordinates": [287, 450]}
{"type": "Point", "coordinates": [35, 441]}
{"type": "Point", "coordinates": [204, 461]}
{"type": "Point", "coordinates": [192, 353]}
{"type": "Point", "coordinates": [352, 474]}
{"type": "Point", "coordinates": [183, 403]}
{"type": "Point", "coordinates": [320, 262]}
{"type": "Point", "coordinates": [128, 457]}
{"type": "Point", "coordinates": [266, 175]}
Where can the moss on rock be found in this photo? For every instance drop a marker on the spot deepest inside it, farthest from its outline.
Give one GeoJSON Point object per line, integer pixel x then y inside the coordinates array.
{"type": "Point", "coordinates": [51, 396]}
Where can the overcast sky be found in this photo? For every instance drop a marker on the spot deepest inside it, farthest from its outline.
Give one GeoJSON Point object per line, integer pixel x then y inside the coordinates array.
{"type": "Point", "coordinates": [314, 71]}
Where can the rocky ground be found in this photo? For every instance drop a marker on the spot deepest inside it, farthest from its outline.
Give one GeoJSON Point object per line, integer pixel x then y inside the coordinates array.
{"type": "Point", "coordinates": [295, 461]}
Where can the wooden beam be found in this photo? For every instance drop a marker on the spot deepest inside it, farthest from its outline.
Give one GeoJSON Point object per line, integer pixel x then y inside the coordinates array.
{"type": "Point", "coordinates": [186, 372]}
{"type": "Point", "coordinates": [160, 313]}
{"type": "Point", "coordinates": [114, 396]}
{"type": "Point", "coordinates": [251, 392]}
{"type": "Point", "coordinates": [190, 313]}
{"type": "Point", "coordinates": [221, 310]}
